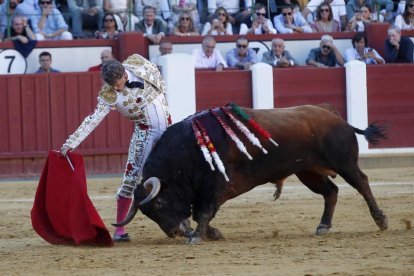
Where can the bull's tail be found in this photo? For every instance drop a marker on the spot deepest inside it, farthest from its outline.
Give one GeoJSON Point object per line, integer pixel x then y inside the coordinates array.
{"type": "Point", "coordinates": [373, 133]}
{"type": "Point", "coordinates": [131, 214]}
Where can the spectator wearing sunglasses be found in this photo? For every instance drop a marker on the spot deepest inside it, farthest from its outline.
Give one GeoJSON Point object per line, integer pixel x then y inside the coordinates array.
{"type": "Point", "coordinates": [219, 25]}
{"type": "Point", "coordinates": [278, 56]}
{"type": "Point", "coordinates": [324, 22]}
{"type": "Point", "coordinates": [152, 28]}
{"type": "Point", "coordinates": [239, 11]}
{"type": "Point", "coordinates": [125, 19]}
{"type": "Point", "coordinates": [49, 24]}
{"type": "Point", "coordinates": [327, 55]}
{"type": "Point", "coordinates": [241, 57]}
{"type": "Point", "coordinates": [208, 56]}
{"type": "Point", "coordinates": [179, 6]}
{"type": "Point", "coordinates": [110, 28]}
{"type": "Point", "coordinates": [260, 24]}
{"type": "Point", "coordinates": [289, 22]}
{"type": "Point", "coordinates": [338, 10]}
{"type": "Point", "coordinates": [185, 25]}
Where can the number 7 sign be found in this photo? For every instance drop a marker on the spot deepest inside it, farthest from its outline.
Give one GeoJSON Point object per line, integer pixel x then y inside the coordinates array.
{"type": "Point", "coordinates": [12, 62]}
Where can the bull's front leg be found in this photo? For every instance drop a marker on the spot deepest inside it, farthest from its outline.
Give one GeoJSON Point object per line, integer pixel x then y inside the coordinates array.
{"type": "Point", "coordinates": [203, 230]}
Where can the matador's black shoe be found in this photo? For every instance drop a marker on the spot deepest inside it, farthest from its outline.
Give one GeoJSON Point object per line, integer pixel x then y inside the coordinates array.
{"type": "Point", "coordinates": [121, 238]}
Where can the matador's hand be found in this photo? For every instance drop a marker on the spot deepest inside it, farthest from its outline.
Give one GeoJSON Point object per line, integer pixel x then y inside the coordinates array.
{"type": "Point", "coordinates": [65, 149]}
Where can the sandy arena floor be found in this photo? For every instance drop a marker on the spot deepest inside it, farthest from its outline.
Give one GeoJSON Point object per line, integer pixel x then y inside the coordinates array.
{"type": "Point", "coordinates": [263, 237]}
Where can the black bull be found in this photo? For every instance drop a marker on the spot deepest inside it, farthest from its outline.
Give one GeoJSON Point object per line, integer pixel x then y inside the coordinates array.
{"type": "Point", "coordinates": [314, 144]}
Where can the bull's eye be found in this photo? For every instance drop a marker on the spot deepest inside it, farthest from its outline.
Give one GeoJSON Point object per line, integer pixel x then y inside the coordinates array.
{"type": "Point", "coordinates": [159, 203]}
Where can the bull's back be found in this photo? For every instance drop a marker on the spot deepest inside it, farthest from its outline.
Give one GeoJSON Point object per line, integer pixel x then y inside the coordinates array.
{"type": "Point", "coordinates": [299, 123]}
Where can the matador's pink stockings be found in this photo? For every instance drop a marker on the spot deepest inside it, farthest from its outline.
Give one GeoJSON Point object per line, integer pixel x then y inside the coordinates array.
{"type": "Point", "coordinates": [123, 204]}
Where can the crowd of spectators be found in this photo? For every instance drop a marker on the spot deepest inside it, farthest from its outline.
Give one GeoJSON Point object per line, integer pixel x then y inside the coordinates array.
{"type": "Point", "coordinates": [30, 20]}
{"type": "Point", "coordinates": [67, 19]}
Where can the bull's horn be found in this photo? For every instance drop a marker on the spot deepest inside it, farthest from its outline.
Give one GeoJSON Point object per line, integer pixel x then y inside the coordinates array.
{"type": "Point", "coordinates": [156, 186]}
{"type": "Point", "coordinates": [131, 214]}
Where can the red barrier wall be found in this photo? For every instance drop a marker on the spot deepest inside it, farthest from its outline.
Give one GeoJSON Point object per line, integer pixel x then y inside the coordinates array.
{"type": "Point", "coordinates": [219, 88]}
{"type": "Point", "coordinates": [39, 112]}
{"type": "Point", "coordinates": [391, 101]}
{"type": "Point", "coordinates": [309, 85]}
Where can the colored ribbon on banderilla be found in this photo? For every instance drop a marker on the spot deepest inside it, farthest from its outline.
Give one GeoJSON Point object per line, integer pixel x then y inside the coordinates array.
{"type": "Point", "coordinates": [252, 123]}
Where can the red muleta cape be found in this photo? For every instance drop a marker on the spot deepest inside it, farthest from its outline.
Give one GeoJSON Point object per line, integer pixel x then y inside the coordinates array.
{"type": "Point", "coordinates": [62, 211]}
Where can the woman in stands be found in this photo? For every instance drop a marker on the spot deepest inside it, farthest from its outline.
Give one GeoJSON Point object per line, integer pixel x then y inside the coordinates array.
{"type": "Point", "coordinates": [219, 24]}
{"type": "Point", "coordinates": [405, 21]}
{"type": "Point", "coordinates": [361, 52]}
{"type": "Point", "coordinates": [185, 25]}
{"type": "Point", "coordinates": [110, 28]}
{"type": "Point", "coordinates": [361, 19]}
{"type": "Point", "coordinates": [324, 22]}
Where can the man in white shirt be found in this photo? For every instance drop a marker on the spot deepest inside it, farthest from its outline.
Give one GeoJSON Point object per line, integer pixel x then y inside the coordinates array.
{"type": "Point", "coordinates": [338, 10]}
{"type": "Point", "coordinates": [208, 56]}
{"type": "Point", "coordinates": [260, 24]}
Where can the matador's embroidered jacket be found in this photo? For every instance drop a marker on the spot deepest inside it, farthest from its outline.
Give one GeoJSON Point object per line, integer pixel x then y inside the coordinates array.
{"type": "Point", "coordinates": [129, 102]}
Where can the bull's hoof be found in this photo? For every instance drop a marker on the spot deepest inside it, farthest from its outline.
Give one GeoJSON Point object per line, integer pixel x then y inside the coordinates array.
{"type": "Point", "coordinates": [214, 234]}
{"type": "Point", "coordinates": [277, 194]}
{"type": "Point", "coordinates": [194, 240]}
{"type": "Point", "coordinates": [322, 229]}
{"type": "Point", "coordinates": [382, 223]}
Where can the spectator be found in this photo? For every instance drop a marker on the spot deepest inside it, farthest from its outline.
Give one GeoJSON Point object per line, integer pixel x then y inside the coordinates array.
{"type": "Point", "coordinates": [361, 19]}
{"type": "Point", "coordinates": [20, 30]}
{"type": "Point", "coordinates": [337, 6]}
{"type": "Point", "coordinates": [49, 24]}
{"type": "Point", "coordinates": [354, 6]}
{"type": "Point", "coordinates": [110, 28]}
{"type": "Point", "coordinates": [283, 3]}
{"type": "Point", "coordinates": [219, 25]}
{"type": "Point", "coordinates": [361, 52]}
{"type": "Point", "coordinates": [405, 21]}
{"type": "Point", "coordinates": [260, 24]}
{"type": "Point", "coordinates": [324, 22]}
{"type": "Point", "coordinates": [86, 14]}
{"type": "Point", "coordinates": [166, 47]}
{"type": "Point", "coordinates": [185, 25]}
{"type": "Point", "coordinates": [45, 60]}
{"type": "Point", "coordinates": [208, 56]}
{"type": "Point", "coordinates": [327, 55]}
{"type": "Point", "coordinates": [125, 19]}
{"type": "Point", "coordinates": [385, 7]}
{"type": "Point", "coordinates": [27, 9]}
{"type": "Point", "coordinates": [161, 8]}
{"type": "Point", "coordinates": [6, 11]}
{"type": "Point", "coordinates": [398, 49]}
{"type": "Point", "coordinates": [153, 29]}
{"type": "Point", "coordinates": [238, 11]}
{"type": "Point", "coordinates": [289, 22]}
{"type": "Point", "coordinates": [242, 56]}
{"type": "Point", "coordinates": [106, 55]}
{"type": "Point", "coordinates": [278, 56]}
{"type": "Point", "coordinates": [179, 6]}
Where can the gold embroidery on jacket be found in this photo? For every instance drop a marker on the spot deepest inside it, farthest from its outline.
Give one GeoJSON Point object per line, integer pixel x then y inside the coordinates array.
{"type": "Point", "coordinates": [108, 94]}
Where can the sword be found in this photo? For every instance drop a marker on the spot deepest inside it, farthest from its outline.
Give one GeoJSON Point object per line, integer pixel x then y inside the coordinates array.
{"type": "Point", "coordinates": [67, 159]}
{"type": "Point", "coordinates": [70, 163]}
